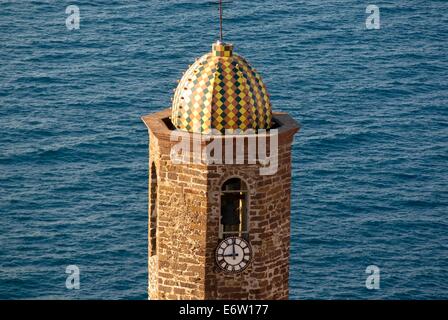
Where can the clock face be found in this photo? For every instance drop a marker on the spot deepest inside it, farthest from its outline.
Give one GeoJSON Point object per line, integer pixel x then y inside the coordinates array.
{"type": "Point", "coordinates": [233, 254]}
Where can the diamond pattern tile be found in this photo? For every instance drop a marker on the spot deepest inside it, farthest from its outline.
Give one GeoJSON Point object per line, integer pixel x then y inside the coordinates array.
{"type": "Point", "coordinates": [221, 91]}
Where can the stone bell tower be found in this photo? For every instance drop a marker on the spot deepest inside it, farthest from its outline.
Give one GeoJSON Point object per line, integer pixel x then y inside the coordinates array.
{"type": "Point", "coordinates": [219, 186]}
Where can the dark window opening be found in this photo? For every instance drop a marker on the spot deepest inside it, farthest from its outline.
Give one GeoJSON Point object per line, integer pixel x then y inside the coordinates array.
{"type": "Point", "coordinates": [153, 211]}
{"type": "Point", "coordinates": [234, 209]}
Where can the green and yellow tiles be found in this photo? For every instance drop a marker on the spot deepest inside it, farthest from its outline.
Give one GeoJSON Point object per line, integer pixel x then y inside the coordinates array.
{"type": "Point", "coordinates": [221, 91]}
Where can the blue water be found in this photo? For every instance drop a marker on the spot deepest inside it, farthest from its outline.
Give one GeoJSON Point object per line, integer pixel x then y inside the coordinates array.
{"type": "Point", "coordinates": [369, 168]}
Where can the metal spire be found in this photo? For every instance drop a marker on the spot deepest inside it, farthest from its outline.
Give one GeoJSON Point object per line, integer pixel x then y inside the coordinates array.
{"type": "Point", "coordinates": [220, 21]}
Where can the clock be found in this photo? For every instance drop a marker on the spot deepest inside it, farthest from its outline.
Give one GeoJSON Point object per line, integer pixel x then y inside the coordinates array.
{"type": "Point", "coordinates": [233, 254]}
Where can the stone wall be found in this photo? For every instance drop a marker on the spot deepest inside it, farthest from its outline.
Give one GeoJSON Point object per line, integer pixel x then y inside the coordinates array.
{"type": "Point", "coordinates": [269, 232]}
{"type": "Point", "coordinates": [188, 209]}
{"type": "Point", "coordinates": [181, 230]}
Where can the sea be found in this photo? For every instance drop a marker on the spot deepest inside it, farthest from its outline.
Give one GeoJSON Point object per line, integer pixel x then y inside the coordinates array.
{"type": "Point", "coordinates": [369, 166]}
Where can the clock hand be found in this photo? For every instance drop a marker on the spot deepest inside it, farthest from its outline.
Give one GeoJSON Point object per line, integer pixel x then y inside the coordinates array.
{"type": "Point", "coordinates": [233, 248]}
{"type": "Point", "coordinates": [230, 255]}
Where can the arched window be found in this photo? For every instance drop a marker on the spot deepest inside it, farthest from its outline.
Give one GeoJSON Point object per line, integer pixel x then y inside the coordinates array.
{"type": "Point", "coordinates": [153, 211]}
{"type": "Point", "coordinates": [233, 221]}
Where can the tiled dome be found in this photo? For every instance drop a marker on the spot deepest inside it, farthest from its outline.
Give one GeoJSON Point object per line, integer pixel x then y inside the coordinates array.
{"type": "Point", "coordinates": [221, 91]}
